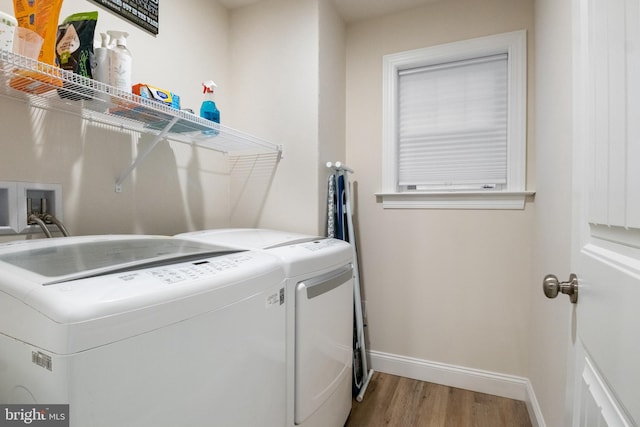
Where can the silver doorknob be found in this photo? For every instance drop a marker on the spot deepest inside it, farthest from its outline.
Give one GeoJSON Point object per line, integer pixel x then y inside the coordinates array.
{"type": "Point", "coordinates": [551, 286]}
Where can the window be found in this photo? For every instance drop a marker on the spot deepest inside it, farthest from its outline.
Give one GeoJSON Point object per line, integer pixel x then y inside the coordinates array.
{"type": "Point", "coordinates": [454, 125]}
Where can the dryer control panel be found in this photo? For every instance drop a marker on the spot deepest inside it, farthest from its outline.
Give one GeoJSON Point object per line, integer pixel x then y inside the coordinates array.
{"type": "Point", "coordinates": [318, 245]}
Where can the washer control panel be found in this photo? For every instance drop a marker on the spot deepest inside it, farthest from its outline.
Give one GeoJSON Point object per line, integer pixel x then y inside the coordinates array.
{"type": "Point", "coordinates": [195, 270]}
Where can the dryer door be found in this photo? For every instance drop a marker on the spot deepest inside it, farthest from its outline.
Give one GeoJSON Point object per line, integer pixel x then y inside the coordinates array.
{"type": "Point", "coordinates": [323, 338]}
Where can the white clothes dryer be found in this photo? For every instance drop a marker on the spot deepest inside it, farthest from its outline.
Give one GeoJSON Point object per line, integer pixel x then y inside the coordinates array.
{"type": "Point", "coordinates": [319, 300]}
{"type": "Point", "coordinates": [143, 331]}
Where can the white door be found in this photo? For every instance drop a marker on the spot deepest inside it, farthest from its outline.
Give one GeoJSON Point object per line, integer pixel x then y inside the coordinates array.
{"type": "Point", "coordinates": [606, 252]}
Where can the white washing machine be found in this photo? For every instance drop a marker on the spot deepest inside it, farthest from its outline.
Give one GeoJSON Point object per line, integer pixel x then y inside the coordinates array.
{"type": "Point", "coordinates": [319, 295]}
{"type": "Point", "coordinates": [143, 331]}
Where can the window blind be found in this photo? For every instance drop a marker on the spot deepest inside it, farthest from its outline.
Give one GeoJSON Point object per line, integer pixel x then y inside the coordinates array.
{"type": "Point", "coordinates": [452, 124]}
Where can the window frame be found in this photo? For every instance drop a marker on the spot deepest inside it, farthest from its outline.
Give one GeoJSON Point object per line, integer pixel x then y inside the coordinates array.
{"type": "Point", "coordinates": [513, 195]}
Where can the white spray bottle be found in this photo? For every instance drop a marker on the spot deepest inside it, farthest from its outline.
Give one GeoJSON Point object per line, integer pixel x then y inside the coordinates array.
{"type": "Point", "coordinates": [120, 62]}
{"type": "Point", "coordinates": [101, 71]}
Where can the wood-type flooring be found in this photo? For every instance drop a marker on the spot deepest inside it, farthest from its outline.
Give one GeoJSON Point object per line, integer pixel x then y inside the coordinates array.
{"type": "Point", "coordinates": [402, 402]}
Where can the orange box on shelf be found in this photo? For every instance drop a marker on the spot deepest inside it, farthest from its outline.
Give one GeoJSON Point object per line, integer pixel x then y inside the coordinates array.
{"type": "Point", "coordinates": [36, 82]}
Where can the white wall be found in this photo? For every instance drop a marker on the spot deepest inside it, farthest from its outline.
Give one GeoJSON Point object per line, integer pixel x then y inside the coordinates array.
{"type": "Point", "coordinates": [177, 188]}
{"type": "Point", "coordinates": [552, 319]}
{"type": "Point", "coordinates": [287, 58]}
{"type": "Point", "coordinates": [331, 114]}
{"type": "Point", "coordinates": [274, 57]}
{"type": "Point", "coordinates": [441, 285]}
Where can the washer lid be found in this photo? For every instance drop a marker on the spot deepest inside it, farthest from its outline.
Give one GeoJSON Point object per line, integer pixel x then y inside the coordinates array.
{"type": "Point", "coordinates": [64, 259]}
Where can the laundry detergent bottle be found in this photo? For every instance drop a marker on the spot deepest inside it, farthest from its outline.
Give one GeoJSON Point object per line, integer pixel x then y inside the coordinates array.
{"type": "Point", "coordinates": [120, 62]}
{"type": "Point", "coordinates": [208, 109]}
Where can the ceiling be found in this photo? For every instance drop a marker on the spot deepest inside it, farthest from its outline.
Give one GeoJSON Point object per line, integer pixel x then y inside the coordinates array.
{"type": "Point", "coordinates": [353, 10]}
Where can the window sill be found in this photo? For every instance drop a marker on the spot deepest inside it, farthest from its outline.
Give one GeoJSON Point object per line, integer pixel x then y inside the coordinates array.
{"type": "Point", "coordinates": [513, 200]}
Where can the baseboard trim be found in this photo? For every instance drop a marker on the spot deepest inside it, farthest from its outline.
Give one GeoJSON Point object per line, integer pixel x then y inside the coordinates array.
{"type": "Point", "coordinates": [510, 386]}
{"type": "Point", "coordinates": [535, 412]}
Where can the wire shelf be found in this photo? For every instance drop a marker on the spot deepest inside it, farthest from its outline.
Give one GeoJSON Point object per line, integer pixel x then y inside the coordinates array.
{"type": "Point", "coordinates": [50, 87]}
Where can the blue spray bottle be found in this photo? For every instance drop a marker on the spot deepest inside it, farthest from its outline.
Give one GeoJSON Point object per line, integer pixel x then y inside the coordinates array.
{"type": "Point", "coordinates": [208, 109]}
